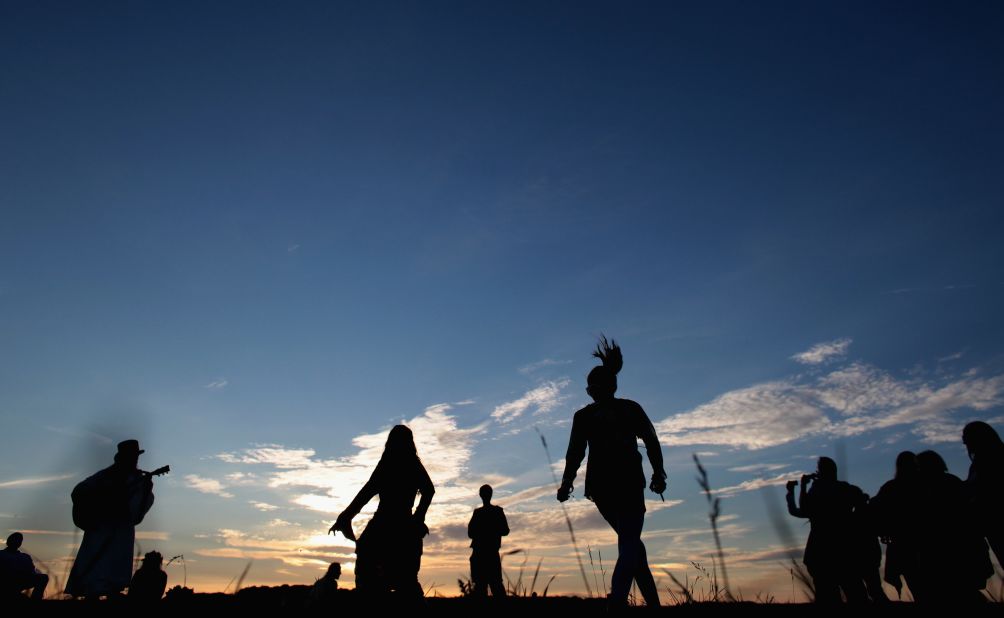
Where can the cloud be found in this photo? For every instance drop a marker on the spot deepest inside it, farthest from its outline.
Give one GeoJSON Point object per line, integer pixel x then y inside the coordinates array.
{"type": "Point", "coordinates": [80, 433]}
{"type": "Point", "coordinates": [34, 481]}
{"type": "Point", "coordinates": [822, 352]}
{"type": "Point", "coordinates": [328, 485]}
{"type": "Point", "coordinates": [291, 546]}
{"type": "Point", "coordinates": [217, 384]}
{"type": "Point", "coordinates": [759, 483]}
{"type": "Point", "coordinates": [263, 506]}
{"type": "Point", "coordinates": [756, 417]}
{"type": "Point", "coordinates": [542, 399]}
{"type": "Point", "coordinates": [764, 467]}
{"type": "Point", "coordinates": [952, 357]}
{"type": "Point", "coordinates": [207, 486]}
{"type": "Point", "coordinates": [847, 401]}
{"type": "Point", "coordinates": [547, 362]}
{"type": "Point", "coordinates": [143, 535]}
{"type": "Point", "coordinates": [292, 248]}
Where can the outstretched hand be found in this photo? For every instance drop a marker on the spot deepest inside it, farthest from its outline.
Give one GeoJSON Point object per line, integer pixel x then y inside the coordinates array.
{"type": "Point", "coordinates": [564, 492]}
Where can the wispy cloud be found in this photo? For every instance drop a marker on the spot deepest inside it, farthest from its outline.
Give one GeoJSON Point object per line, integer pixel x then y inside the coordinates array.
{"type": "Point", "coordinates": [952, 357]}
{"type": "Point", "coordinates": [328, 485]}
{"type": "Point", "coordinates": [143, 535]}
{"type": "Point", "coordinates": [758, 483]}
{"type": "Point", "coordinates": [537, 366]}
{"type": "Point", "coordinates": [217, 384]}
{"type": "Point", "coordinates": [764, 467]}
{"type": "Point", "coordinates": [79, 433]}
{"type": "Point", "coordinates": [542, 399]}
{"type": "Point", "coordinates": [848, 401]}
{"type": "Point", "coordinates": [822, 352]}
{"type": "Point", "coordinates": [34, 481]}
{"type": "Point", "coordinates": [263, 506]}
{"type": "Point", "coordinates": [207, 486]}
{"type": "Point", "coordinates": [293, 248]}
{"type": "Point", "coordinates": [944, 288]}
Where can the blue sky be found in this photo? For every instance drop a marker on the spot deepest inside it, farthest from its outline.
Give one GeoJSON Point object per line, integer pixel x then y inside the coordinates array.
{"type": "Point", "coordinates": [255, 237]}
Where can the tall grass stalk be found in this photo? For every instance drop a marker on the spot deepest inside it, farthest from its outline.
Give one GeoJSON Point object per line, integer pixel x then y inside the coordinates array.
{"type": "Point", "coordinates": [564, 511]}
{"type": "Point", "coordinates": [715, 504]}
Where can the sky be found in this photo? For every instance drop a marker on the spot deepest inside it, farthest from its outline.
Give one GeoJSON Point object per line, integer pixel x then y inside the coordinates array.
{"type": "Point", "coordinates": [256, 236]}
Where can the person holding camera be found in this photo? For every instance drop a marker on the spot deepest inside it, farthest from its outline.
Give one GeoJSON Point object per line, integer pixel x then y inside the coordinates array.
{"type": "Point", "coordinates": [829, 505]}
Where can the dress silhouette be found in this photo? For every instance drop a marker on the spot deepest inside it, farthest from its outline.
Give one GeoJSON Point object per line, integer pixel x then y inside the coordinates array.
{"type": "Point", "coordinates": [108, 505]}
{"type": "Point", "coordinates": [487, 527]}
{"type": "Point", "coordinates": [389, 551]}
{"type": "Point", "coordinates": [894, 510]}
{"type": "Point", "coordinates": [615, 481]}
{"type": "Point", "coordinates": [950, 536]}
{"type": "Point", "coordinates": [829, 506]}
{"type": "Point", "coordinates": [986, 482]}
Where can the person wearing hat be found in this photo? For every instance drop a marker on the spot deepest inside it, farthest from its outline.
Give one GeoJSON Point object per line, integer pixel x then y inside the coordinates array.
{"type": "Point", "coordinates": [107, 506]}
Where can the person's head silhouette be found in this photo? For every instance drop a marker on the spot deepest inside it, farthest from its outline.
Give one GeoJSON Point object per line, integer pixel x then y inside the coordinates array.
{"type": "Point", "coordinates": [906, 465]}
{"type": "Point", "coordinates": [14, 541]}
{"type": "Point", "coordinates": [981, 439]}
{"type": "Point", "coordinates": [486, 494]}
{"type": "Point", "coordinates": [827, 469]}
{"type": "Point", "coordinates": [153, 560]}
{"type": "Point", "coordinates": [128, 454]}
{"type": "Point", "coordinates": [400, 442]}
{"type": "Point", "coordinates": [602, 380]}
{"type": "Point", "coordinates": [334, 571]}
{"type": "Point", "coordinates": [931, 463]}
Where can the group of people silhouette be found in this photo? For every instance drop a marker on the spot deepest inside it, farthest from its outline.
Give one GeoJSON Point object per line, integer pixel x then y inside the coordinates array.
{"type": "Point", "coordinates": [937, 527]}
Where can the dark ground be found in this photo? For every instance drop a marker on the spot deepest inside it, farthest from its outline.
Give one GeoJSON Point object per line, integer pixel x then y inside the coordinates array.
{"type": "Point", "coordinates": [290, 600]}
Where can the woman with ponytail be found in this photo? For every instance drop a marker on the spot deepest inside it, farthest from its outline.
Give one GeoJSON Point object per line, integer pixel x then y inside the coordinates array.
{"type": "Point", "coordinates": [615, 482]}
{"type": "Point", "coordinates": [389, 551]}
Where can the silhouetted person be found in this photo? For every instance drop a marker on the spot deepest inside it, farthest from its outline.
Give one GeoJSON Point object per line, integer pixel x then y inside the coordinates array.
{"type": "Point", "coordinates": [487, 527]}
{"type": "Point", "coordinates": [951, 537]}
{"type": "Point", "coordinates": [325, 590]}
{"type": "Point", "coordinates": [615, 481]}
{"type": "Point", "coordinates": [867, 550]}
{"type": "Point", "coordinates": [986, 482]}
{"type": "Point", "coordinates": [829, 507]}
{"type": "Point", "coordinates": [17, 571]}
{"type": "Point", "coordinates": [149, 581]}
{"type": "Point", "coordinates": [107, 505]}
{"type": "Point", "coordinates": [389, 551]}
{"type": "Point", "coordinates": [895, 512]}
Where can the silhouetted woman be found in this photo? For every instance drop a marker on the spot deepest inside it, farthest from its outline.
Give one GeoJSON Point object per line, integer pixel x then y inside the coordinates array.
{"type": "Point", "coordinates": [895, 510]}
{"type": "Point", "coordinates": [615, 481]}
{"type": "Point", "coordinates": [389, 551]}
{"type": "Point", "coordinates": [986, 481]}
{"type": "Point", "coordinates": [951, 537]}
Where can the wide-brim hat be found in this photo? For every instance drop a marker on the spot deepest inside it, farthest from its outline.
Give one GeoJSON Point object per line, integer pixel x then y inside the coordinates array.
{"type": "Point", "coordinates": [130, 447]}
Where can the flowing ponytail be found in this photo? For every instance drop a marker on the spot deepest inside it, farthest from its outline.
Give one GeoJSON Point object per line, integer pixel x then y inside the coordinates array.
{"type": "Point", "coordinates": [603, 379]}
